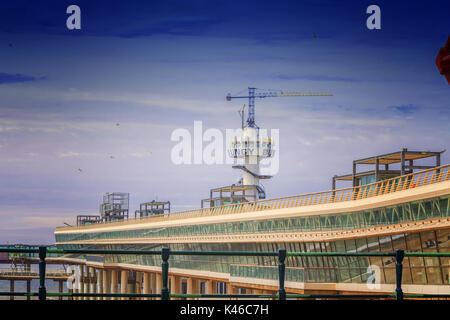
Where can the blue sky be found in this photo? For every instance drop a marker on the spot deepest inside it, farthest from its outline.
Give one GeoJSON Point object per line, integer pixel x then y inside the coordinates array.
{"type": "Point", "coordinates": [155, 66]}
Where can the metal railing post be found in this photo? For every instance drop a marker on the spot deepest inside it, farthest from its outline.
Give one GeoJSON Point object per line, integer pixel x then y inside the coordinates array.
{"type": "Point", "coordinates": [165, 253]}
{"type": "Point", "coordinates": [281, 272]}
{"type": "Point", "coordinates": [42, 290]}
{"type": "Point", "coordinates": [399, 255]}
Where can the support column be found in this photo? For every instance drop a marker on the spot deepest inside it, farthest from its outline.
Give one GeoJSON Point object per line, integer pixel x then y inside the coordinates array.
{"type": "Point", "coordinates": [124, 282]}
{"type": "Point", "coordinates": [28, 289]}
{"type": "Point", "coordinates": [11, 288]}
{"type": "Point", "coordinates": [190, 286]}
{"type": "Point", "coordinates": [92, 282]}
{"type": "Point", "coordinates": [82, 275]}
{"type": "Point", "coordinates": [86, 283]}
{"type": "Point", "coordinates": [175, 285]}
{"type": "Point", "coordinates": [158, 282]}
{"type": "Point", "coordinates": [131, 287]}
{"type": "Point", "coordinates": [60, 288]}
{"type": "Point", "coordinates": [153, 284]}
{"type": "Point", "coordinates": [147, 284]}
{"type": "Point", "coordinates": [377, 169]}
{"type": "Point", "coordinates": [402, 165]}
{"type": "Point", "coordinates": [209, 287]}
{"type": "Point", "coordinates": [195, 286]}
{"type": "Point", "coordinates": [106, 282]}
{"type": "Point", "coordinates": [114, 282]}
{"type": "Point", "coordinates": [99, 282]}
{"type": "Point", "coordinates": [138, 284]}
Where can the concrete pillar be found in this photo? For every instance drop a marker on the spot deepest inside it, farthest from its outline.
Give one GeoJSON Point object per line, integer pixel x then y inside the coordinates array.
{"type": "Point", "coordinates": [106, 282]}
{"type": "Point", "coordinates": [138, 284]}
{"type": "Point", "coordinates": [91, 282]}
{"type": "Point", "coordinates": [80, 287]}
{"type": "Point", "coordinates": [176, 286]}
{"type": "Point", "coordinates": [99, 282]}
{"type": "Point", "coordinates": [153, 283]}
{"type": "Point", "coordinates": [86, 286]}
{"type": "Point", "coordinates": [195, 287]}
{"type": "Point", "coordinates": [28, 289]}
{"type": "Point", "coordinates": [11, 288]}
{"type": "Point", "coordinates": [147, 284]}
{"type": "Point", "coordinates": [114, 282]}
{"type": "Point", "coordinates": [131, 287]}
{"type": "Point", "coordinates": [190, 286]}
{"type": "Point", "coordinates": [60, 288]}
{"type": "Point", "coordinates": [210, 287]}
{"type": "Point", "coordinates": [158, 278]}
{"type": "Point", "coordinates": [124, 282]}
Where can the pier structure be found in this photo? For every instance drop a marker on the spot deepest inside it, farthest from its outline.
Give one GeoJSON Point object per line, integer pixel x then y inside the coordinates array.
{"type": "Point", "coordinates": [13, 275]}
{"type": "Point", "coordinates": [409, 212]}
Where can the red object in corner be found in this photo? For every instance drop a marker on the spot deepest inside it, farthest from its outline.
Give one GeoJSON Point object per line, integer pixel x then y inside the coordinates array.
{"type": "Point", "coordinates": [443, 60]}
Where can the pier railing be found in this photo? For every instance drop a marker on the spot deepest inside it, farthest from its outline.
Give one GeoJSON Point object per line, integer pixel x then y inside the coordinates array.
{"type": "Point", "coordinates": [401, 183]}
{"type": "Point", "coordinates": [281, 294]}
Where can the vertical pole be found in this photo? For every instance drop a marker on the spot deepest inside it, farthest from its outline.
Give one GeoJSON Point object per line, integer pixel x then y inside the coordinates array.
{"type": "Point", "coordinates": [28, 289]}
{"type": "Point", "coordinates": [147, 284]}
{"type": "Point", "coordinates": [114, 282]}
{"type": "Point", "coordinates": [42, 290]}
{"type": "Point", "coordinates": [377, 169]}
{"type": "Point", "coordinates": [153, 284]}
{"type": "Point", "coordinates": [165, 253]}
{"type": "Point", "coordinates": [399, 255]}
{"type": "Point", "coordinates": [438, 164]}
{"type": "Point", "coordinates": [158, 282]}
{"type": "Point", "coordinates": [106, 283]}
{"type": "Point", "coordinates": [354, 174]}
{"type": "Point", "coordinates": [60, 288]}
{"type": "Point", "coordinates": [209, 287]}
{"type": "Point", "coordinates": [402, 169]}
{"type": "Point", "coordinates": [99, 282]}
{"type": "Point", "coordinates": [11, 289]}
{"type": "Point", "coordinates": [281, 271]}
{"type": "Point", "coordinates": [92, 282]}
{"type": "Point", "coordinates": [190, 286]}
{"type": "Point", "coordinates": [124, 283]}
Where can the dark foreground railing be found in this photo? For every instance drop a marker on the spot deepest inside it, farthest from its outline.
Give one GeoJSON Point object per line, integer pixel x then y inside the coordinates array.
{"type": "Point", "coordinates": [166, 253]}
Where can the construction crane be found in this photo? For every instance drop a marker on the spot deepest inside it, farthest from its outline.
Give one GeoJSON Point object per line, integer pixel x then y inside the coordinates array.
{"type": "Point", "coordinates": [254, 93]}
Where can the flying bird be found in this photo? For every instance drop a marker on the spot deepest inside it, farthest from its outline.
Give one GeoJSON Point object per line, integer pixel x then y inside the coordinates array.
{"type": "Point", "coordinates": [10, 45]}
{"type": "Point", "coordinates": [117, 124]}
{"type": "Point", "coordinates": [112, 157]}
{"type": "Point", "coordinates": [314, 35]}
{"type": "Point", "coordinates": [79, 169]}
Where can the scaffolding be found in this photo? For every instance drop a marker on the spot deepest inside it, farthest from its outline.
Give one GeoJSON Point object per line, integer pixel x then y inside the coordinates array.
{"type": "Point", "coordinates": [152, 208]}
{"type": "Point", "coordinates": [232, 194]}
{"type": "Point", "coordinates": [404, 157]}
{"type": "Point", "coordinates": [115, 206]}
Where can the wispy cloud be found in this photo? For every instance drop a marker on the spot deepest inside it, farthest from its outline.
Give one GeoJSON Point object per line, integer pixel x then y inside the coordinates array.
{"type": "Point", "coordinates": [407, 109]}
{"type": "Point", "coordinates": [69, 154]}
{"type": "Point", "coordinates": [16, 78]}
